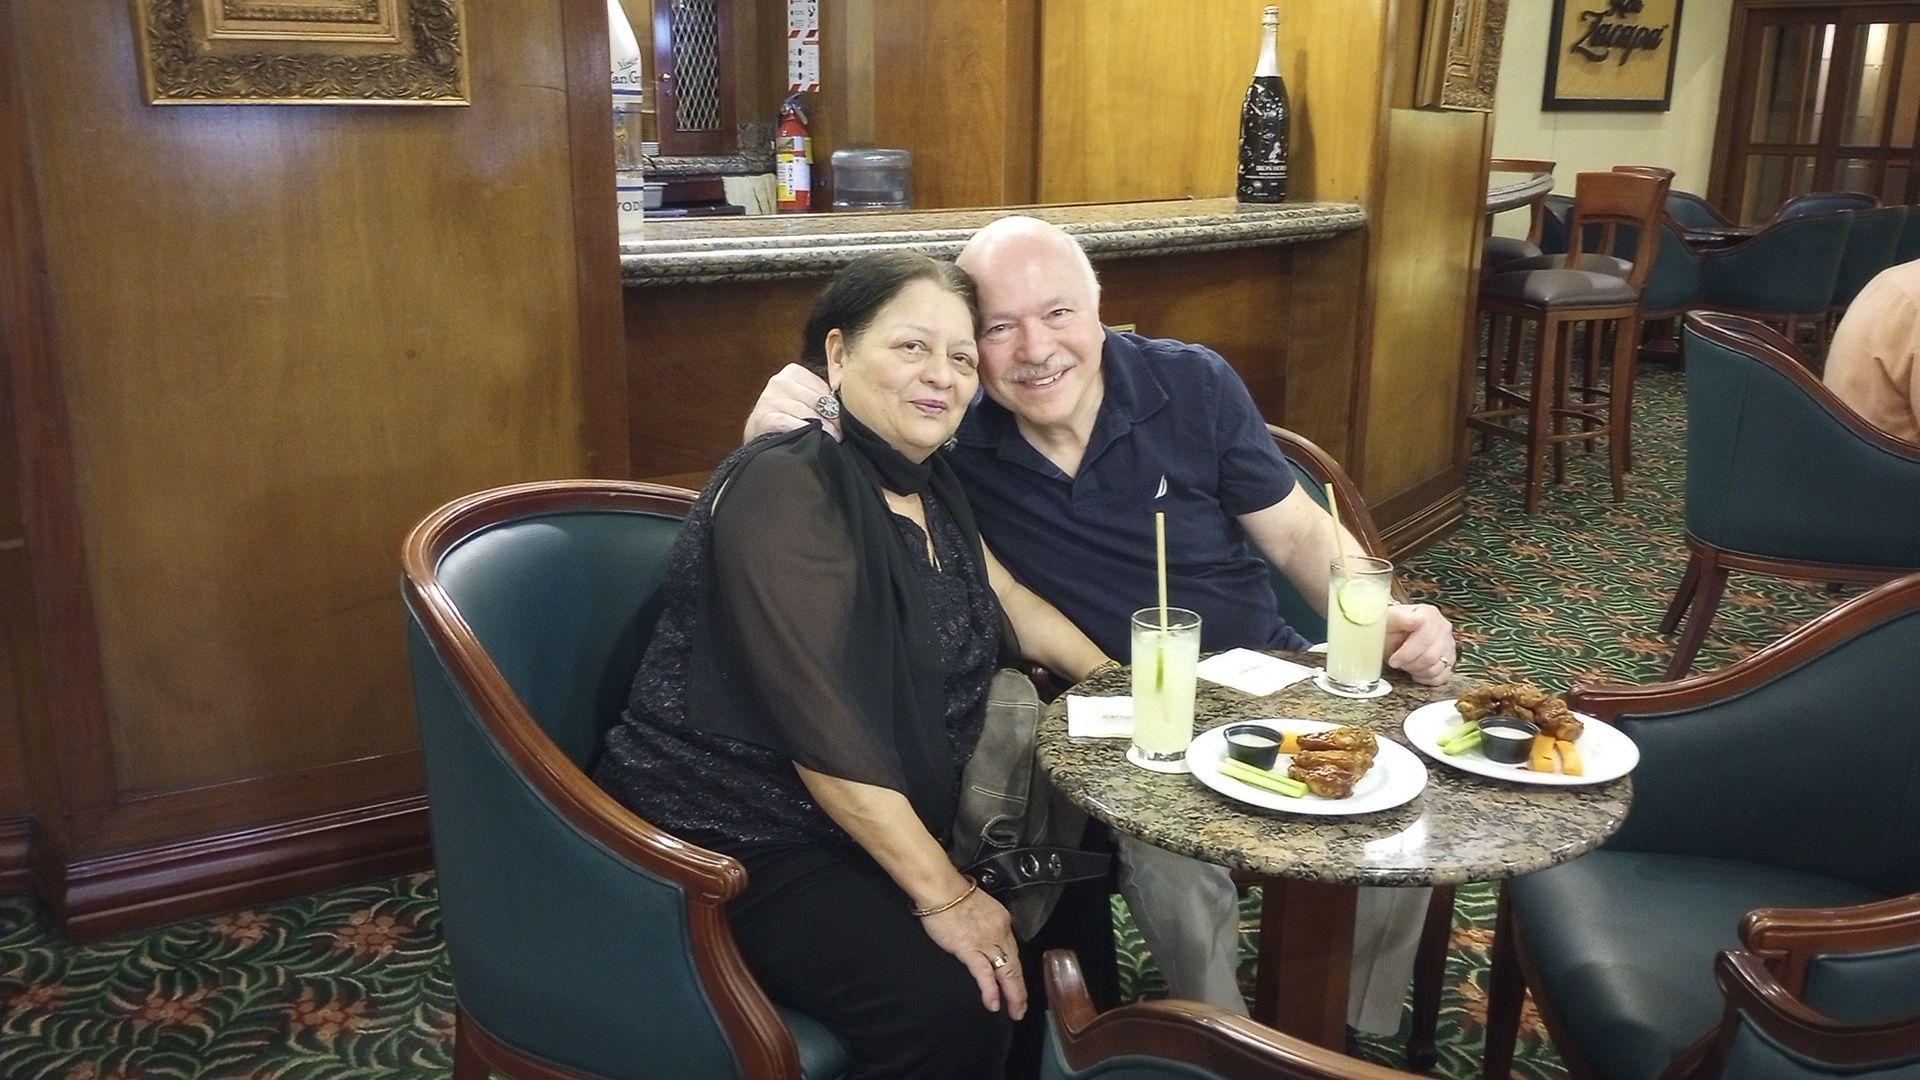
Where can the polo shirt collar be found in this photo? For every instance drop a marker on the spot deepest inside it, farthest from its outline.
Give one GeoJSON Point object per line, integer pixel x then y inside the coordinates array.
{"type": "Point", "coordinates": [1132, 393]}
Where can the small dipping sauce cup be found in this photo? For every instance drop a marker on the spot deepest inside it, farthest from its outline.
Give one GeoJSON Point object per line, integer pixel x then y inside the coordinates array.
{"type": "Point", "coordinates": [1507, 739]}
{"type": "Point", "coordinates": [1255, 744]}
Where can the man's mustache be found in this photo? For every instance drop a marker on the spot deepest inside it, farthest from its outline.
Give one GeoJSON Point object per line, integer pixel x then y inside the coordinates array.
{"type": "Point", "coordinates": [1052, 365]}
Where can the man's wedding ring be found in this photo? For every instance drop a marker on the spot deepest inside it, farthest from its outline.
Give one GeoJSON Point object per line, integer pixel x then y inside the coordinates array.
{"type": "Point", "coordinates": [997, 962]}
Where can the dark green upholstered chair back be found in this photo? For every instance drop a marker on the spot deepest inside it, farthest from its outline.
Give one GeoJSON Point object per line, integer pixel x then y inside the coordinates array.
{"type": "Point", "coordinates": [1316, 471]}
{"type": "Point", "coordinates": [1779, 467]}
{"type": "Point", "coordinates": [1674, 284]}
{"type": "Point", "coordinates": [1555, 223]}
{"type": "Point", "coordinates": [1870, 249]}
{"type": "Point", "coordinates": [1693, 212]}
{"type": "Point", "coordinates": [1823, 202]}
{"type": "Point", "coordinates": [578, 934]}
{"type": "Point", "coordinates": [1770, 1034]}
{"type": "Point", "coordinates": [1909, 246]}
{"type": "Point", "coordinates": [1788, 269]}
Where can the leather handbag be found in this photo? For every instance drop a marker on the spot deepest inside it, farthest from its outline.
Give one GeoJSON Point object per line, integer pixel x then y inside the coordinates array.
{"type": "Point", "coordinates": [1012, 831]}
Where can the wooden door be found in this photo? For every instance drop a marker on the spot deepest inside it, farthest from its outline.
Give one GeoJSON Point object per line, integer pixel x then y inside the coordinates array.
{"type": "Point", "coordinates": [1819, 97]}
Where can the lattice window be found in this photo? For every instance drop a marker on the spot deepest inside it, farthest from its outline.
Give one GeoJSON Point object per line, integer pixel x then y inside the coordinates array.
{"type": "Point", "coordinates": [696, 64]}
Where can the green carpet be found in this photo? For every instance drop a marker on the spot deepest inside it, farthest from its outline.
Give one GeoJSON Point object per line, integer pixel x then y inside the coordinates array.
{"type": "Point", "coordinates": [353, 983]}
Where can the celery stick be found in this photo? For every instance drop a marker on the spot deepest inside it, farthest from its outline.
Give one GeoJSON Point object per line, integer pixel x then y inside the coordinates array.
{"type": "Point", "coordinates": [1457, 730]}
{"type": "Point", "coordinates": [1469, 741]}
{"type": "Point", "coordinates": [1262, 778]}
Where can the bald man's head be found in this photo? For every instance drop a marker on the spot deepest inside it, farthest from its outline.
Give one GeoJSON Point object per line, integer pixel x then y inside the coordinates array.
{"type": "Point", "coordinates": [1019, 238]}
{"type": "Point", "coordinates": [1041, 339]}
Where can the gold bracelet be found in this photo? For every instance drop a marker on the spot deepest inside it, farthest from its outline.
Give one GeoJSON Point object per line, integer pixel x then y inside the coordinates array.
{"type": "Point", "coordinates": [972, 887]}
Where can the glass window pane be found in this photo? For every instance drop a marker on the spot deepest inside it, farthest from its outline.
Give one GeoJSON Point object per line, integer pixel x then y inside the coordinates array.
{"type": "Point", "coordinates": [1906, 109]}
{"type": "Point", "coordinates": [1857, 174]}
{"type": "Point", "coordinates": [1894, 188]}
{"type": "Point", "coordinates": [1869, 83]}
{"type": "Point", "coordinates": [1771, 180]}
{"type": "Point", "coordinates": [1790, 94]}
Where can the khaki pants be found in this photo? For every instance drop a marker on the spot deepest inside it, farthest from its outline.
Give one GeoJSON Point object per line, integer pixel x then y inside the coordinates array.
{"type": "Point", "coordinates": [1189, 913]}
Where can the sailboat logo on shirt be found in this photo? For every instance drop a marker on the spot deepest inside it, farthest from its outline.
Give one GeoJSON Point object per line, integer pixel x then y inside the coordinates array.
{"type": "Point", "coordinates": [1163, 486]}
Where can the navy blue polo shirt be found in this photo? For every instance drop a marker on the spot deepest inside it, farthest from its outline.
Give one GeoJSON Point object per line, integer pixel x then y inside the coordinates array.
{"type": "Point", "coordinates": [1173, 414]}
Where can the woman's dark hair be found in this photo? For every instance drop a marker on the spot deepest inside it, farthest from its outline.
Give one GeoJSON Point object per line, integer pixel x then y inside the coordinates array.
{"type": "Point", "coordinates": [858, 293]}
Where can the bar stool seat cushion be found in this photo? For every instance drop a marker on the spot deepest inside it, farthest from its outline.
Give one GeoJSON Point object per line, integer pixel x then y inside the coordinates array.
{"type": "Point", "coordinates": [1590, 262]}
{"type": "Point", "coordinates": [1623, 943]}
{"type": "Point", "coordinates": [1501, 250]}
{"type": "Point", "coordinates": [1559, 288]}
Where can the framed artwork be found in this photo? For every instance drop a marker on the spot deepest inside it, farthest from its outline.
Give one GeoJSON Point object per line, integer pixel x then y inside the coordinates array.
{"type": "Point", "coordinates": [312, 52]}
{"type": "Point", "coordinates": [1611, 55]}
{"type": "Point", "coordinates": [1460, 54]}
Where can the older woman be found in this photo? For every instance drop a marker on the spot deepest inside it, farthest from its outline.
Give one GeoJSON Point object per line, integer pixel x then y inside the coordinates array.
{"type": "Point", "coordinates": [816, 684]}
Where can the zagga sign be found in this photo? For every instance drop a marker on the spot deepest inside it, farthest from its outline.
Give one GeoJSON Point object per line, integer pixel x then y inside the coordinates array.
{"type": "Point", "coordinates": [1609, 34]}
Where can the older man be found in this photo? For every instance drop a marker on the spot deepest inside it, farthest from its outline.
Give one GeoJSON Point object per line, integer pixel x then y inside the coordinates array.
{"type": "Point", "coordinates": [1085, 432]}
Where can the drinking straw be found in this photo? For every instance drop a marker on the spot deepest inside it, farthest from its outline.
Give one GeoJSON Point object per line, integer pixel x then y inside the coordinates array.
{"type": "Point", "coordinates": [1160, 552]}
{"type": "Point", "coordinates": [1339, 536]}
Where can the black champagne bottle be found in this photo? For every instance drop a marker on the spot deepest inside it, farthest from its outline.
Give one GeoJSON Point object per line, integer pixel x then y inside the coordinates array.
{"type": "Point", "coordinates": [1264, 116]}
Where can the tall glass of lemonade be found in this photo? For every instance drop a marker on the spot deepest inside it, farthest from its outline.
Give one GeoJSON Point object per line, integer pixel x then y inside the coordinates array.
{"type": "Point", "coordinates": [1166, 647]}
{"type": "Point", "coordinates": [1360, 589]}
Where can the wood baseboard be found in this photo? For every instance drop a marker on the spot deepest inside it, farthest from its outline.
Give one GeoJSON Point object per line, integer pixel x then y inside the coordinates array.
{"type": "Point", "coordinates": [94, 896]}
{"type": "Point", "coordinates": [14, 867]}
{"type": "Point", "coordinates": [1414, 520]}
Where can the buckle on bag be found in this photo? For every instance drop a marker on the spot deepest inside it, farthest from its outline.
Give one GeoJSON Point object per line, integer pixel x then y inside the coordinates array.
{"type": "Point", "coordinates": [1017, 868]}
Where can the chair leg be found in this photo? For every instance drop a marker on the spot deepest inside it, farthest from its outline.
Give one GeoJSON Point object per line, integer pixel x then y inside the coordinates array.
{"type": "Point", "coordinates": [1683, 596]}
{"type": "Point", "coordinates": [1506, 995]}
{"type": "Point", "coordinates": [467, 1062]}
{"type": "Point", "coordinates": [1626, 335]}
{"type": "Point", "coordinates": [1563, 376]}
{"type": "Point", "coordinates": [1510, 365]}
{"type": "Point", "coordinates": [1706, 601]}
{"type": "Point", "coordinates": [1497, 326]}
{"type": "Point", "coordinates": [1545, 393]}
{"type": "Point", "coordinates": [1588, 366]}
{"type": "Point", "coordinates": [1429, 979]}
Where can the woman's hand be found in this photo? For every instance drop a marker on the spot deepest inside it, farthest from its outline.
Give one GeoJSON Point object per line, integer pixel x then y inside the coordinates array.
{"type": "Point", "coordinates": [978, 931]}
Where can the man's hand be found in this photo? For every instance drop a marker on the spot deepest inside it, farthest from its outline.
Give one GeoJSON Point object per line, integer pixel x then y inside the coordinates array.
{"type": "Point", "coordinates": [791, 398]}
{"type": "Point", "coordinates": [1420, 642]}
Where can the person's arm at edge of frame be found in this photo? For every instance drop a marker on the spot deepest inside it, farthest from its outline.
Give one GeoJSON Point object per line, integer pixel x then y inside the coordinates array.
{"type": "Point", "coordinates": [1046, 636]}
{"type": "Point", "coordinates": [1296, 535]}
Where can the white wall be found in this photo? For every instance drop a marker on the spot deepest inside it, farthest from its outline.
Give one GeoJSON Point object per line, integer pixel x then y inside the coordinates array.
{"type": "Point", "coordinates": [1680, 139]}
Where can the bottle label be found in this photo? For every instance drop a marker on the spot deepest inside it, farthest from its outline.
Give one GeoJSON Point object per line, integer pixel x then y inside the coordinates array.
{"type": "Point", "coordinates": [1263, 142]}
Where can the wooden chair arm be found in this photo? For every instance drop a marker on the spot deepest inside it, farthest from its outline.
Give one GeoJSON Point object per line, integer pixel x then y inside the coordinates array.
{"type": "Point", "coordinates": [1755, 994]}
{"type": "Point", "coordinates": [1234, 1047]}
{"type": "Point", "coordinates": [1789, 938]}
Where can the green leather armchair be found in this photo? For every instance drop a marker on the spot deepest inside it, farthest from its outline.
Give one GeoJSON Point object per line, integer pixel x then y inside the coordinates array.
{"type": "Point", "coordinates": [1776, 808]}
{"type": "Point", "coordinates": [1909, 246]}
{"type": "Point", "coordinates": [1771, 1033]}
{"type": "Point", "coordinates": [1823, 202]}
{"type": "Point", "coordinates": [1694, 212]}
{"type": "Point", "coordinates": [1784, 274]}
{"type": "Point", "coordinates": [1782, 477]}
{"type": "Point", "coordinates": [1173, 1040]}
{"type": "Point", "coordinates": [584, 941]}
{"type": "Point", "coordinates": [1871, 246]}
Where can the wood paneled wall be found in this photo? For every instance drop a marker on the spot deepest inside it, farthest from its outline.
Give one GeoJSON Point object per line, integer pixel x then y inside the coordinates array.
{"type": "Point", "coordinates": [281, 336]}
{"type": "Point", "coordinates": [1140, 99]}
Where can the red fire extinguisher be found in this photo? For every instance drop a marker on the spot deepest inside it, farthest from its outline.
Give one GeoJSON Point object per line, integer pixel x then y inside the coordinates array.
{"type": "Point", "coordinates": [793, 156]}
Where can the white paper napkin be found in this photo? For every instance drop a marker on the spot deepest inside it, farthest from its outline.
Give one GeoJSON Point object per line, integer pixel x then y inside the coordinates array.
{"type": "Point", "coordinates": [1099, 717]}
{"type": "Point", "coordinates": [1252, 673]}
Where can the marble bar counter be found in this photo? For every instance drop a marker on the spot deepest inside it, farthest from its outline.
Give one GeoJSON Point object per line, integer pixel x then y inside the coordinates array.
{"type": "Point", "coordinates": [1509, 190]}
{"type": "Point", "coordinates": [687, 251]}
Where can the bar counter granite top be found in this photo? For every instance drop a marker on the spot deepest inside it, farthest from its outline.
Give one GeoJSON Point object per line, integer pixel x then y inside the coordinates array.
{"type": "Point", "coordinates": [767, 248]}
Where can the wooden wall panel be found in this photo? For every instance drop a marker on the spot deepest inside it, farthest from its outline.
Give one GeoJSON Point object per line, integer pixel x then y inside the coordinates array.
{"type": "Point", "coordinates": [14, 596]}
{"type": "Point", "coordinates": [1141, 99]}
{"type": "Point", "coordinates": [1233, 302]}
{"type": "Point", "coordinates": [310, 327]}
{"type": "Point", "coordinates": [259, 344]}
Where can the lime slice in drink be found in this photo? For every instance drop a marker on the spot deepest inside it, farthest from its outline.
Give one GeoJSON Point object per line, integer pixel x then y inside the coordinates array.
{"type": "Point", "coordinates": [1362, 602]}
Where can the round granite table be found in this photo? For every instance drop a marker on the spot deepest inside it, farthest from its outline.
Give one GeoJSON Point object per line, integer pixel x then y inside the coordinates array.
{"type": "Point", "coordinates": [1461, 828]}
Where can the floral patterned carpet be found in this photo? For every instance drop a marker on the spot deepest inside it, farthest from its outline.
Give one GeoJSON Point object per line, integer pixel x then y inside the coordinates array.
{"type": "Point", "coordinates": [353, 983]}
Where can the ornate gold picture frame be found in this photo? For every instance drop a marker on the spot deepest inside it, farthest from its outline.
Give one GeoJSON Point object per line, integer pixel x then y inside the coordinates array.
{"type": "Point", "coordinates": [1460, 54]}
{"type": "Point", "coordinates": [313, 52]}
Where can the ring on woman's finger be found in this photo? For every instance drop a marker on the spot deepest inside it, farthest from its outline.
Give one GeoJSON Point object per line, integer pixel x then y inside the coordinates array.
{"type": "Point", "coordinates": [828, 406]}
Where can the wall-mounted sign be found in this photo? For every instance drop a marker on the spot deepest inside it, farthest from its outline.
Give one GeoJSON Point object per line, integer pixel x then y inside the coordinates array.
{"type": "Point", "coordinates": [1612, 55]}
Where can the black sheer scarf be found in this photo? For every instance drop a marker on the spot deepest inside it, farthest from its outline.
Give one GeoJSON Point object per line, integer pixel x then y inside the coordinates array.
{"type": "Point", "coordinates": [812, 637]}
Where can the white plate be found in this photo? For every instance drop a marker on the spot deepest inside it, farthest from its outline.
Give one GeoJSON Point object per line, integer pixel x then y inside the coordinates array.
{"type": "Point", "coordinates": [1396, 777]}
{"type": "Point", "coordinates": [1605, 751]}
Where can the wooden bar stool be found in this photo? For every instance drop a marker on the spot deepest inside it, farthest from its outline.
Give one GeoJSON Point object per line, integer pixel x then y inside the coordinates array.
{"type": "Point", "coordinates": [1561, 294]}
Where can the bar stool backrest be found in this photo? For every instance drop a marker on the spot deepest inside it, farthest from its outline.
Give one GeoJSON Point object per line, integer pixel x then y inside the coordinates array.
{"type": "Point", "coordinates": [1611, 200]}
